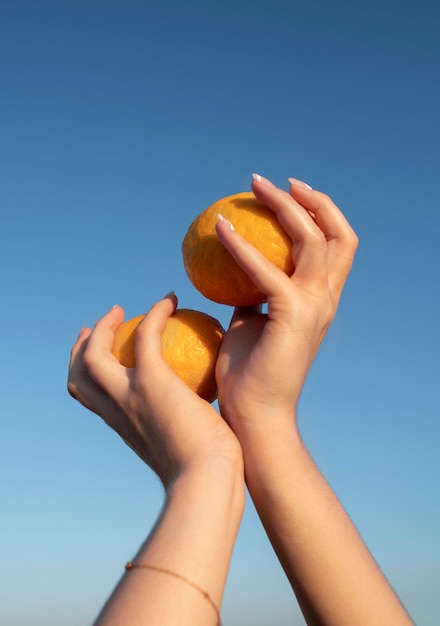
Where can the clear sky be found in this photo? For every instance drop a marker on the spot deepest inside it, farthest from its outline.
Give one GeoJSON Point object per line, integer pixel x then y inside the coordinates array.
{"type": "Point", "coordinates": [119, 123]}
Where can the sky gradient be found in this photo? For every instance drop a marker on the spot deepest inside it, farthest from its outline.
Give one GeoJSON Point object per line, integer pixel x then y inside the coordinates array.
{"type": "Point", "coordinates": [119, 123]}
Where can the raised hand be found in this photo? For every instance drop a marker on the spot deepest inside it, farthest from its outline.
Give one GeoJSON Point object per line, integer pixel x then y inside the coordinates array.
{"type": "Point", "coordinates": [265, 357]}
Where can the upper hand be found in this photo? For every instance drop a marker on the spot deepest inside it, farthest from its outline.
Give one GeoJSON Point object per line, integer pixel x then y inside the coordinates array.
{"type": "Point", "coordinates": [264, 359]}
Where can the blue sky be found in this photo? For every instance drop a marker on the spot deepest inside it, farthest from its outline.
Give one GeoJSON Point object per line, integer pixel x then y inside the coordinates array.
{"type": "Point", "coordinates": [119, 123]}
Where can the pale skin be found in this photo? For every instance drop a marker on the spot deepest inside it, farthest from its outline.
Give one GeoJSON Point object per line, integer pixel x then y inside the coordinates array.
{"type": "Point", "coordinates": [204, 458]}
{"type": "Point", "coordinates": [189, 446]}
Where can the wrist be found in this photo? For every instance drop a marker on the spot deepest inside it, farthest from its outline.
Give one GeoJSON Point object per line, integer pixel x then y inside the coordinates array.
{"type": "Point", "coordinates": [197, 528]}
{"type": "Point", "coordinates": [207, 444]}
{"type": "Point", "coordinates": [262, 428]}
{"type": "Point", "coordinates": [271, 445]}
{"type": "Point", "coordinates": [215, 475]}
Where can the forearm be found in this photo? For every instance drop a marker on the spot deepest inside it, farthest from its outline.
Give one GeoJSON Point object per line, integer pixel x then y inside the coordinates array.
{"type": "Point", "coordinates": [193, 538]}
{"type": "Point", "coordinates": [335, 578]}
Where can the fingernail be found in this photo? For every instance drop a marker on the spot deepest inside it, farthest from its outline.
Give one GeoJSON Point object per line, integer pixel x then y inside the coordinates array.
{"type": "Point", "coordinates": [81, 331]}
{"type": "Point", "coordinates": [115, 306]}
{"type": "Point", "coordinates": [169, 295]}
{"type": "Point", "coordinates": [299, 183]}
{"type": "Point", "coordinates": [264, 181]}
{"type": "Point", "coordinates": [223, 219]}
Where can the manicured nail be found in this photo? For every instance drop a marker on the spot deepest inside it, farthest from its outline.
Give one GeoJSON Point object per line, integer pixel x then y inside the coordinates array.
{"type": "Point", "coordinates": [115, 306]}
{"type": "Point", "coordinates": [299, 183]}
{"type": "Point", "coordinates": [223, 219]}
{"type": "Point", "coordinates": [264, 181]}
{"type": "Point", "coordinates": [169, 295]}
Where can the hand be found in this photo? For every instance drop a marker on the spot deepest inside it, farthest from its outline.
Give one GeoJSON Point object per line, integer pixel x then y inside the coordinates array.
{"type": "Point", "coordinates": [150, 407]}
{"type": "Point", "coordinates": [265, 358]}
{"type": "Point", "coordinates": [260, 372]}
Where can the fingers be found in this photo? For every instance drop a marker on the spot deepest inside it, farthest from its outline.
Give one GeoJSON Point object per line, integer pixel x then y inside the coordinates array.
{"type": "Point", "coordinates": [341, 239]}
{"type": "Point", "coordinates": [101, 365]}
{"type": "Point", "coordinates": [149, 333]}
{"type": "Point", "coordinates": [309, 250]}
{"type": "Point", "coordinates": [94, 372]}
{"type": "Point", "coordinates": [261, 179]}
{"type": "Point", "coordinates": [327, 216]}
{"type": "Point", "coordinates": [77, 372]}
{"type": "Point", "coordinates": [80, 385]}
{"type": "Point", "coordinates": [323, 241]}
{"type": "Point", "coordinates": [268, 278]}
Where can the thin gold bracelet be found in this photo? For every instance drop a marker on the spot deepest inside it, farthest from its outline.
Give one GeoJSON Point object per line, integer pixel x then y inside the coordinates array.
{"type": "Point", "coordinates": [130, 565]}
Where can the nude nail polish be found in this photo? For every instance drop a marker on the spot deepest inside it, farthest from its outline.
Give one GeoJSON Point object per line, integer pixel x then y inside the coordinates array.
{"type": "Point", "coordinates": [223, 219]}
{"type": "Point", "coordinates": [299, 183]}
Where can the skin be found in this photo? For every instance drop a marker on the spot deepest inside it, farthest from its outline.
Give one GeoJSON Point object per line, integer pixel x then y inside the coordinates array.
{"type": "Point", "coordinates": [203, 459]}
{"type": "Point", "coordinates": [188, 444]}
{"type": "Point", "coordinates": [261, 370]}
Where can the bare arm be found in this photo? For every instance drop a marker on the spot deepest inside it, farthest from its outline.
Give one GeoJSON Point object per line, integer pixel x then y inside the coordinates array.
{"type": "Point", "coordinates": [336, 580]}
{"type": "Point", "coordinates": [193, 539]}
{"type": "Point", "coordinates": [185, 559]}
{"type": "Point", "coordinates": [261, 370]}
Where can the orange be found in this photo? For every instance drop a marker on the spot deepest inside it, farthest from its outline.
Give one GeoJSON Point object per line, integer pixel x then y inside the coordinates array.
{"type": "Point", "coordinates": [190, 345]}
{"type": "Point", "coordinates": [211, 268]}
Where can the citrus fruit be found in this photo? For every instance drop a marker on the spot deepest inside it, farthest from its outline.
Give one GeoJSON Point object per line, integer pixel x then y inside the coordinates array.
{"type": "Point", "coordinates": [190, 345]}
{"type": "Point", "coordinates": [211, 268]}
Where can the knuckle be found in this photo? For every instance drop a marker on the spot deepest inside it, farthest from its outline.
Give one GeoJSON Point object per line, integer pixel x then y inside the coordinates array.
{"type": "Point", "coordinates": [323, 200]}
{"type": "Point", "coordinates": [88, 359]}
{"type": "Point", "coordinates": [354, 240]}
{"type": "Point", "coordinates": [72, 389]}
{"type": "Point", "coordinates": [351, 242]}
{"type": "Point", "coordinates": [316, 238]}
{"type": "Point", "coordinates": [326, 198]}
{"type": "Point", "coordinates": [90, 362]}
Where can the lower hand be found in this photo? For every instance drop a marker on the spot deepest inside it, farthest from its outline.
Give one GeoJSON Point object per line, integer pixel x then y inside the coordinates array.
{"type": "Point", "coordinates": [150, 407]}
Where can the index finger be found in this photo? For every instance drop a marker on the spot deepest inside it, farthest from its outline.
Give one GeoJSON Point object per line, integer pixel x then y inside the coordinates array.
{"type": "Point", "coordinates": [149, 332]}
